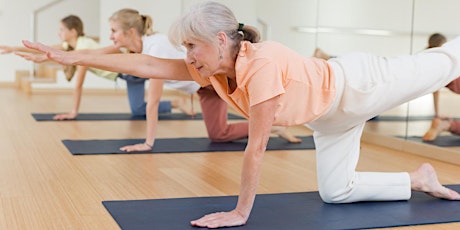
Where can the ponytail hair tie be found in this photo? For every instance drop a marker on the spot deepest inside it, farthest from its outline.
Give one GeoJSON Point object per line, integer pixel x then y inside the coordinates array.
{"type": "Point", "coordinates": [240, 26]}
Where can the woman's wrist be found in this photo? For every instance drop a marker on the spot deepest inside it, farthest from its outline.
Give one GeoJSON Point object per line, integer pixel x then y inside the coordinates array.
{"type": "Point", "coordinates": [149, 145]}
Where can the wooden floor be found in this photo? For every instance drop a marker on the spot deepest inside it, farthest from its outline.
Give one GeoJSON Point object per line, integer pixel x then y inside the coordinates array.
{"type": "Point", "coordinates": [43, 186]}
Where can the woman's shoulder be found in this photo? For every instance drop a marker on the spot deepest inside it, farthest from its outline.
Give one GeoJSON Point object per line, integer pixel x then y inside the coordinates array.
{"type": "Point", "coordinates": [263, 46]}
{"type": "Point", "coordinates": [158, 45]}
{"type": "Point", "coordinates": [156, 37]}
{"type": "Point", "coordinates": [84, 42]}
{"type": "Point", "coordinates": [263, 49]}
{"type": "Point", "coordinates": [87, 39]}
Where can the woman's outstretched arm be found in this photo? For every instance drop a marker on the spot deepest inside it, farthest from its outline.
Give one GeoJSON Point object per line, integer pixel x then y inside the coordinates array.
{"type": "Point", "coordinates": [135, 64]}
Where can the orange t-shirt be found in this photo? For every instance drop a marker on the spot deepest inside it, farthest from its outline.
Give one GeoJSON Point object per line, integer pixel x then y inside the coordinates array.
{"type": "Point", "coordinates": [306, 86]}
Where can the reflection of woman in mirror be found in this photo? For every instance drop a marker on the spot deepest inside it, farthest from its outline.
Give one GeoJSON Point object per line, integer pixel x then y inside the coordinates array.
{"type": "Point", "coordinates": [440, 124]}
{"type": "Point", "coordinates": [273, 85]}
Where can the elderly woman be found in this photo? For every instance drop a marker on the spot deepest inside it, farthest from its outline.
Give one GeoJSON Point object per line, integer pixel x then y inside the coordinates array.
{"type": "Point", "coordinates": [273, 85]}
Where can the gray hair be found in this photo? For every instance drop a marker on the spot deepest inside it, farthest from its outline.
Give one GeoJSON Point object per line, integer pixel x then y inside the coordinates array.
{"type": "Point", "coordinates": [204, 20]}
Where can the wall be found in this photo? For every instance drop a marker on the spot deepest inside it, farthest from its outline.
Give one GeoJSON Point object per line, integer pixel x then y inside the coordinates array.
{"type": "Point", "coordinates": [164, 14]}
{"type": "Point", "coordinates": [15, 24]}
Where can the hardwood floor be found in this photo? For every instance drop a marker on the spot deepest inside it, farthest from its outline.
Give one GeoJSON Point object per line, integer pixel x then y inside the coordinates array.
{"type": "Point", "coordinates": [43, 186]}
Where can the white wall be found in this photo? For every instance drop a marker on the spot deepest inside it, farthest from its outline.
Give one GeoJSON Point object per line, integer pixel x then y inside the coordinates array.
{"type": "Point", "coordinates": [283, 16]}
{"type": "Point", "coordinates": [48, 21]}
{"type": "Point", "coordinates": [164, 13]}
{"type": "Point", "coordinates": [15, 25]}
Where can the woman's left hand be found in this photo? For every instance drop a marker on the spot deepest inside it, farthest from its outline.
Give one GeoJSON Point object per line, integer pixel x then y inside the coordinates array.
{"type": "Point", "coordinates": [37, 58]}
{"type": "Point", "coordinates": [220, 219]}
{"type": "Point", "coordinates": [59, 56]}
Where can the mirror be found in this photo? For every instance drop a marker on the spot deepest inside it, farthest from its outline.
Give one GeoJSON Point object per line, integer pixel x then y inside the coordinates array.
{"type": "Point", "coordinates": [342, 26]}
{"type": "Point", "coordinates": [379, 27]}
{"type": "Point", "coordinates": [382, 27]}
{"type": "Point", "coordinates": [432, 16]}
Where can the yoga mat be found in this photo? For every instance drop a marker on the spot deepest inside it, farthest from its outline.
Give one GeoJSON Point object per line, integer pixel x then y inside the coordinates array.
{"type": "Point", "coordinates": [124, 116]}
{"type": "Point", "coordinates": [178, 145]}
{"type": "Point", "coordinates": [401, 118]}
{"type": "Point", "coordinates": [442, 141]}
{"type": "Point", "coordinates": [303, 210]}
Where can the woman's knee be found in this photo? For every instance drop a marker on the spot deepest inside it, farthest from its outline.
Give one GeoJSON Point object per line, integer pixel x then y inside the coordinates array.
{"type": "Point", "coordinates": [217, 135]}
{"type": "Point", "coordinates": [228, 132]}
{"type": "Point", "coordinates": [334, 194]}
{"type": "Point", "coordinates": [138, 111]}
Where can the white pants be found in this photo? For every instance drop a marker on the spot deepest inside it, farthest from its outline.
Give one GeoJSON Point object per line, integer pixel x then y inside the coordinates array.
{"type": "Point", "coordinates": [368, 85]}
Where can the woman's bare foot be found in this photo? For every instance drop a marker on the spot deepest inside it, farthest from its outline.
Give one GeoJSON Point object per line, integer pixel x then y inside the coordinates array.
{"type": "Point", "coordinates": [181, 104]}
{"type": "Point", "coordinates": [438, 126]}
{"type": "Point", "coordinates": [424, 179]}
{"type": "Point", "coordinates": [282, 132]}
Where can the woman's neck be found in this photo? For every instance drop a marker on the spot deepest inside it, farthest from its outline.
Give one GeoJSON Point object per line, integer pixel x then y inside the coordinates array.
{"type": "Point", "coordinates": [232, 85]}
{"type": "Point", "coordinates": [73, 42]}
{"type": "Point", "coordinates": [136, 45]}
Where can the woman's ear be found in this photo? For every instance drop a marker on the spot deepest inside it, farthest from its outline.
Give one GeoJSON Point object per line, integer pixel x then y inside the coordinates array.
{"type": "Point", "coordinates": [133, 31]}
{"type": "Point", "coordinates": [74, 32]}
{"type": "Point", "coordinates": [222, 39]}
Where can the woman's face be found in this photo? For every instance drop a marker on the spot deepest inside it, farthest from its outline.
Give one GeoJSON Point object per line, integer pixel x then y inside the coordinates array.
{"type": "Point", "coordinates": [65, 34]}
{"type": "Point", "coordinates": [204, 56]}
{"type": "Point", "coordinates": [118, 36]}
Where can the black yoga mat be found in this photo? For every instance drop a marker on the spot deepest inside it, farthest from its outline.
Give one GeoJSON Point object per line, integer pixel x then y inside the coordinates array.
{"type": "Point", "coordinates": [179, 145]}
{"type": "Point", "coordinates": [401, 118]}
{"type": "Point", "coordinates": [125, 116]}
{"type": "Point", "coordinates": [303, 210]}
{"type": "Point", "coordinates": [442, 141]}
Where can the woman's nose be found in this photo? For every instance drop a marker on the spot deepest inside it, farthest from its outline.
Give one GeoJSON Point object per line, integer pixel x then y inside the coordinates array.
{"type": "Point", "coordinates": [189, 58]}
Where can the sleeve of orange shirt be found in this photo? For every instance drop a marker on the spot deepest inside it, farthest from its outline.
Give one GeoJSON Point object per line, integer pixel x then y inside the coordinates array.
{"type": "Point", "coordinates": [264, 80]}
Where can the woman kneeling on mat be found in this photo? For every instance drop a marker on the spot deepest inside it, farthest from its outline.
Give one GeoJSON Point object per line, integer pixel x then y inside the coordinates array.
{"type": "Point", "coordinates": [273, 85]}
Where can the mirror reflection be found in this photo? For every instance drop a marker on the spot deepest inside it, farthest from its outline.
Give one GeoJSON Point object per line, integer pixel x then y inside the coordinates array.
{"type": "Point", "coordinates": [435, 17]}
